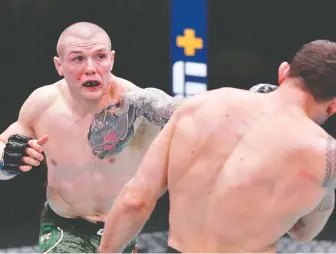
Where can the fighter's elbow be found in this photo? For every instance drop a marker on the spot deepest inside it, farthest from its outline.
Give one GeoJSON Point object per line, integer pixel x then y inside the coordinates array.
{"type": "Point", "coordinates": [132, 202]}
{"type": "Point", "coordinates": [301, 236]}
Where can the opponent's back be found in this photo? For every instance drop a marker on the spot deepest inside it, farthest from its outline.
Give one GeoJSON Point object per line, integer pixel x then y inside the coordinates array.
{"type": "Point", "coordinates": [234, 176]}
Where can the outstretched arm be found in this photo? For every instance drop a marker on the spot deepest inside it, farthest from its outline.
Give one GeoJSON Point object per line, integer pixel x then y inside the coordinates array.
{"type": "Point", "coordinates": [138, 198]}
{"type": "Point", "coordinates": [157, 106]}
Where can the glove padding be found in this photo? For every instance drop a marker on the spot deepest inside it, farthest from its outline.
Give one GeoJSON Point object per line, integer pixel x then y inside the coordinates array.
{"type": "Point", "coordinates": [14, 150]}
{"type": "Point", "coordinates": [263, 88]}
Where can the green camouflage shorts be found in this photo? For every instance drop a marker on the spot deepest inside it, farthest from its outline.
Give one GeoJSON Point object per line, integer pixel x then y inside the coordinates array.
{"type": "Point", "coordinates": [63, 235]}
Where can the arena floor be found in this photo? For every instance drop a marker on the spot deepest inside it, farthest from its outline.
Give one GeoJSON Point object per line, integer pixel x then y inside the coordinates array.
{"type": "Point", "coordinates": [157, 241]}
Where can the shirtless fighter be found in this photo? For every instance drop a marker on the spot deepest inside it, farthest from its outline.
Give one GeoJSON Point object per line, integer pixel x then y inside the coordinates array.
{"type": "Point", "coordinates": [242, 169]}
{"type": "Point", "coordinates": [94, 129]}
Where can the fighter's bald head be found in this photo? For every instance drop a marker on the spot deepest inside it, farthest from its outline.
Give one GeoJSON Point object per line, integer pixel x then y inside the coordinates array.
{"type": "Point", "coordinates": [83, 31]}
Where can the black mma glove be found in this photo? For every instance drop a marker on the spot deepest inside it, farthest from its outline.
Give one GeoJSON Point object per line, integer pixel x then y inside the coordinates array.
{"type": "Point", "coordinates": [14, 150]}
{"type": "Point", "coordinates": [263, 88]}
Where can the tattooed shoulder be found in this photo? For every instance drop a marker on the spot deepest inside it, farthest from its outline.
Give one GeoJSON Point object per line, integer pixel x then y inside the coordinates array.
{"type": "Point", "coordinates": [330, 169]}
{"type": "Point", "coordinates": [113, 128]}
{"type": "Point", "coordinates": [154, 104]}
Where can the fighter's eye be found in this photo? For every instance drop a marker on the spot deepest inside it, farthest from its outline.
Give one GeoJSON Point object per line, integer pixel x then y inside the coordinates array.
{"type": "Point", "coordinates": [78, 59]}
{"type": "Point", "coordinates": [101, 56]}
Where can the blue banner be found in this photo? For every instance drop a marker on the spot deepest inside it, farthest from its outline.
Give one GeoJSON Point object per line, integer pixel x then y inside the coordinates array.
{"type": "Point", "coordinates": [188, 40]}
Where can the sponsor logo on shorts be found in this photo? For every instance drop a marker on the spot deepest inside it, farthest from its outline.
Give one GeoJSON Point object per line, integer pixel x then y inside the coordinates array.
{"type": "Point", "coordinates": [48, 236]}
{"type": "Point", "coordinates": [100, 231]}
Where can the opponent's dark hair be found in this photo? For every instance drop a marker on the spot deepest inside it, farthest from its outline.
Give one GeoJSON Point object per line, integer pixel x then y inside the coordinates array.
{"type": "Point", "coordinates": [315, 65]}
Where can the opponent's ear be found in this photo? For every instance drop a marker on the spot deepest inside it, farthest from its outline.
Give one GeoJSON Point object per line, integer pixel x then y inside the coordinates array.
{"type": "Point", "coordinates": [58, 65]}
{"type": "Point", "coordinates": [283, 72]}
{"type": "Point", "coordinates": [112, 54]}
{"type": "Point", "coordinates": [332, 107]}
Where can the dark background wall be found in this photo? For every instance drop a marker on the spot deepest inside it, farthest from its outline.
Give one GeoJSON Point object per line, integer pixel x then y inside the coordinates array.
{"type": "Point", "coordinates": [247, 42]}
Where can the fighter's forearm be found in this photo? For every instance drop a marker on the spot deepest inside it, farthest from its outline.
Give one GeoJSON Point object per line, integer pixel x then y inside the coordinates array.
{"type": "Point", "coordinates": [124, 222]}
{"type": "Point", "coordinates": [310, 225]}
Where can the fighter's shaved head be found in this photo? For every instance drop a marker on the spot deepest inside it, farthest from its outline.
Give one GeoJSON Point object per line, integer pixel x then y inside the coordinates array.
{"type": "Point", "coordinates": [81, 30]}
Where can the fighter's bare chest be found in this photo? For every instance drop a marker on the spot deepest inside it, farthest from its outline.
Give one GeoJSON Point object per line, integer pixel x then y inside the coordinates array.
{"type": "Point", "coordinates": [88, 138]}
{"type": "Point", "coordinates": [109, 132]}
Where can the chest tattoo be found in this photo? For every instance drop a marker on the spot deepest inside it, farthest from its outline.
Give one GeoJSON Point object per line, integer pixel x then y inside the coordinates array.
{"type": "Point", "coordinates": [113, 128]}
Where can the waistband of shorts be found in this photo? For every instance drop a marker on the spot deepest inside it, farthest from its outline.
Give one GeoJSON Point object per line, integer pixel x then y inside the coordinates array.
{"type": "Point", "coordinates": [76, 222]}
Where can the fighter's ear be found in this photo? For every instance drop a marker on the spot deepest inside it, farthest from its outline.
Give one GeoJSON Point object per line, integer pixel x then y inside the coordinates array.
{"type": "Point", "coordinates": [283, 72]}
{"type": "Point", "coordinates": [112, 54]}
{"type": "Point", "coordinates": [58, 65]}
{"type": "Point", "coordinates": [332, 107]}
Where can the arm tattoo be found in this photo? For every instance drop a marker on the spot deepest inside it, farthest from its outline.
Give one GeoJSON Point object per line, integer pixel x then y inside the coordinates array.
{"type": "Point", "coordinates": [330, 171]}
{"type": "Point", "coordinates": [112, 129]}
{"type": "Point", "coordinates": [155, 105]}
{"type": "Point", "coordinates": [326, 203]}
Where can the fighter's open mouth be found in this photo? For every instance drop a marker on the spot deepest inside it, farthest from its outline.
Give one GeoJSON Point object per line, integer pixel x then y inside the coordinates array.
{"type": "Point", "coordinates": [91, 84]}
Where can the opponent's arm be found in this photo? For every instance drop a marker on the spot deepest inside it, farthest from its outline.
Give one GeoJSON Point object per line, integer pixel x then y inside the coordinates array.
{"type": "Point", "coordinates": [17, 140]}
{"type": "Point", "coordinates": [138, 198]}
{"type": "Point", "coordinates": [310, 225]}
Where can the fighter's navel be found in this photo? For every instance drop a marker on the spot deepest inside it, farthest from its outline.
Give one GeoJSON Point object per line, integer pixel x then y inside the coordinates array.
{"type": "Point", "coordinates": [97, 176]}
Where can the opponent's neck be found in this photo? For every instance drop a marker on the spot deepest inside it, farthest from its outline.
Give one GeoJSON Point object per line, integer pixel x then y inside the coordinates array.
{"type": "Point", "coordinates": [293, 96]}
